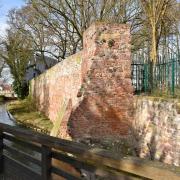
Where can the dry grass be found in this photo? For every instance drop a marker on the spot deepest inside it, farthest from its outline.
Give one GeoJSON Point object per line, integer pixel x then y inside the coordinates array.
{"type": "Point", "coordinates": [25, 113]}
{"type": "Point", "coordinates": [166, 93]}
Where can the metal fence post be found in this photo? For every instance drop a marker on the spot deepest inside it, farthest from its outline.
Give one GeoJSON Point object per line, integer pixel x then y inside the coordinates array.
{"type": "Point", "coordinates": [46, 163]}
{"type": "Point", "coordinates": [161, 77]}
{"type": "Point", "coordinates": [173, 78]}
{"type": "Point", "coordinates": [1, 152]}
{"type": "Point", "coordinates": [146, 78]}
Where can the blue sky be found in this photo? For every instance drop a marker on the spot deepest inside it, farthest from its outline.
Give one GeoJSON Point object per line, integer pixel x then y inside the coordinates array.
{"type": "Point", "coordinates": [5, 6]}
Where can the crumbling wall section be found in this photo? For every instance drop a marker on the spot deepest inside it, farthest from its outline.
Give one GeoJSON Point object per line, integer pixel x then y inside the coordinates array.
{"type": "Point", "coordinates": [96, 83]}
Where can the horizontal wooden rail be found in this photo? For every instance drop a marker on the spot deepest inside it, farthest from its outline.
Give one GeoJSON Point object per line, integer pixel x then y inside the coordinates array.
{"type": "Point", "coordinates": [64, 174]}
{"type": "Point", "coordinates": [34, 147]}
{"type": "Point", "coordinates": [23, 155]}
{"type": "Point", "coordinates": [79, 156]}
{"type": "Point", "coordinates": [16, 170]}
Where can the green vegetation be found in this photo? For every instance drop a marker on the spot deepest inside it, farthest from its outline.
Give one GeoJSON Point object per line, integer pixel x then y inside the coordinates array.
{"type": "Point", "coordinates": [21, 89]}
{"type": "Point", "coordinates": [25, 113]}
{"type": "Point", "coordinates": [163, 99]}
{"type": "Point", "coordinates": [1, 98]}
{"type": "Point", "coordinates": [166, 93]}
{"type": "Point", "coordinates": [158, 94]}
{"type": "Point", "coordinates": [18, 51]}
{"type": "Point", "coordinates": [59, 119]}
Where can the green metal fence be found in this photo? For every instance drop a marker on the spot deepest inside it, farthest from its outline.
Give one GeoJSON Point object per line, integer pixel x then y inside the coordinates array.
{"type": "Point", "coordinates": [163, 78]}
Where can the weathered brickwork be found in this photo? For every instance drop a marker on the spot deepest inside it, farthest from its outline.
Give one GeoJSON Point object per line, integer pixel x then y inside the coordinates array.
{"type": "Point", "coordinates": [105, 108]}
{"type": "Point", "coordinates": [96, 82]}
{"type": "Point", "coordinates": [60, 83]}
{"type": "Point", "coordinates": [157, 129]}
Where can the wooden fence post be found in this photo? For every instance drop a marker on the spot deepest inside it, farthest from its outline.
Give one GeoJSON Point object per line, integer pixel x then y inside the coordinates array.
{"type": "Point", "coordinates": [1, 152]}
{"type": "Point", "coordinates": [46, 163]}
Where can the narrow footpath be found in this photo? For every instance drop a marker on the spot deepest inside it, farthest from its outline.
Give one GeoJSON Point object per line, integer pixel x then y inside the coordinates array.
{"type": "Point", "coordinates": [4, 117]}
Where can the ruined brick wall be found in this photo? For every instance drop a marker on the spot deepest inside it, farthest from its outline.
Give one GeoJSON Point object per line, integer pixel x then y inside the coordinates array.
{"type": "Point", "coordinates": [105, 108]}
{"type": "Point", "coordinates": [96, 83]}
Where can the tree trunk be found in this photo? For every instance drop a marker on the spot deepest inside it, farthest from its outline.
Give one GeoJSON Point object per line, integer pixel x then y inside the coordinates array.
{"type": "Point", "coordinates": [154, 45]}
{"type": "Point", "coordinates": [153, 57]}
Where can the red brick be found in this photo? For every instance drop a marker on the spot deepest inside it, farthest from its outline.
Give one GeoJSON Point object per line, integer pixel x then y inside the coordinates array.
{"type": "Point", "coordinates": [96, 80]}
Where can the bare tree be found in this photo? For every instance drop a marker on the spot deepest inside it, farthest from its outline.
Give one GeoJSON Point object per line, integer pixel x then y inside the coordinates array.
{"type": "Point", "coordinates": [30, 25]}
{"type": "Point", "coordinates": [68, 19]}
{"type": "Point", "coordinates": [159, 20]}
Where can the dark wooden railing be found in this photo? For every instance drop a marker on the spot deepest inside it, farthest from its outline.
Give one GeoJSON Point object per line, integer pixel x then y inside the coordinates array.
{"type": "Point", "coordinates": [28, 155]}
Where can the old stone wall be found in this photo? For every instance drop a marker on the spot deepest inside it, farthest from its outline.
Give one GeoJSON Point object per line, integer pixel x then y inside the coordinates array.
{"type": "Point", "coordinates": [156, 127]}
{"type": "Point", "coordinates": [96, 83]}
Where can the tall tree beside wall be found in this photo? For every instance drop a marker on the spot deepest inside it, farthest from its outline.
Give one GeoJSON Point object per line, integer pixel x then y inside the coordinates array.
{"type": "Point", "coordinates": [18, 51]}
{"type": "Point", "coordinates": [159, 19]}
{"type": "Point", "coordinates": [2, 65]}
{"type": "Point", "coordinates": [30, 25]}
{"type": "Point", "coordinates": [158, 22]}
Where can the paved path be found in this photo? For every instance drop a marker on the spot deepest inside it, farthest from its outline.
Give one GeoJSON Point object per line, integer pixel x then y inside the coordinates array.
{"type": "Point", "coordinates": [4, 118]}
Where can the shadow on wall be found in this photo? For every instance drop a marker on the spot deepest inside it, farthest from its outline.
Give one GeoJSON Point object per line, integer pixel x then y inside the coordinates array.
{"type": "Point", "coordinates": [46, 97]}
{"type": "Point", "coordinates": [105, 112]}
{"type": "Point", "coordinates": [105, 108]}
{"type": "Point", "coordinates": [43, 96]}
{"type": "Point", "coordinates": [150, 146]}
{"type": "Point", "coordinates": [156, 129]}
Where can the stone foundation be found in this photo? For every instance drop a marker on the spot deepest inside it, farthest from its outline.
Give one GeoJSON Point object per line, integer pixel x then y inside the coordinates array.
{"type": "Point", "coordinates": [157, 129]}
